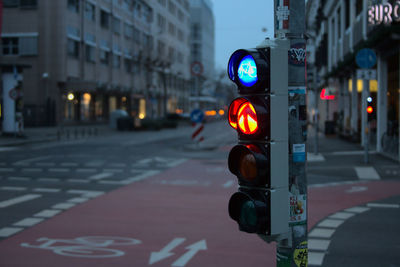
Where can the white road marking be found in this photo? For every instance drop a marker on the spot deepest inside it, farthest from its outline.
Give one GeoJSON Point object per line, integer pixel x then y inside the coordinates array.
{"type": "Point", "coordinates": [31, 169]}
{"type": "Point", "coordinates": [341, 215]}
{"type": "Point", "coordinates": [63, 206]}
{"type": "Point", "coordinates": [7, 231]}
{"type": "Point", "coordinates": [46, 190]}
{"type": "Point", "coordinates": [367, 173]}
{"type": "Point", "coordinates": [311, 157]}
{"type": "Point", "coordinates": [113, 170]}
{"type": "Point", "coordinates": [351, 153]}
{"type": "Point", "coordinates": [78, 200]}
{"type": "Point", "coordinates": [52, 180]}
{"type": "Point", "coordinates": [192, 251]}
{"type": "Point", "coordinates": [318, 244]}
{"type": "Point", "coordinates": [47, 213]}
{"type": "Point", "coordinates": [13, 188]}
{"type": "Point", "coordinates": [315, 258]}
{"type": "Point", "coordinates": [29, 161]}
{"type": "Point", "coordinates": [45, 164]}
{"type": "Point", "coordinates": [85, 170]}
{"type": "Point", "coordinates": [58, 170]}
{"type": "Point", "coordinates": [357, 189]}
{"type": "Point", "coordinates": [382, 205]}
{"type": "Point", "coordinates": [69, 164]}
{"type": "Point", "coordinates": [86, 193]}
{"type": "Point", "coordinates": [136, 178]}
{"type": "Point", "coordinates": [330, 223]}
{"type": "Point", "coordinates": [321, 233]}
{"type": "Point", "coordinates": [28, 222]}
{"type": "Point", "coordinates": [176, 162]}
{"type": "Point", "coordinates": [14, 178]}
{"type": "Point", "coordinates": [228, 184]}
{"type": "Point", "coordinates": [95, 163]}
{"type": "Point", "coordinates": [81, 181]}
{"type": "Point", "coordinates": [8, 148]}
{"type": "Point", "coordinates": [165, 252]}
{"type": "Point", "coordinates": [7, 169]}
{"type": "Point", "coordinates": [357, 209]}
{"type": "Point", "coordinates": [118, 165]}
{"type": "Point", "coordinates": [17, 200]}
{"type": "Point", "coordinates": [101, 175]}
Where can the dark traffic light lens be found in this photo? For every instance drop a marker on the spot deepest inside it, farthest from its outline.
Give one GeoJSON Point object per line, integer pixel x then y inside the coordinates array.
{"type": "Point", "coordinates": [248, 215]}
{"type": "Point", "coordinates": [248, 167]}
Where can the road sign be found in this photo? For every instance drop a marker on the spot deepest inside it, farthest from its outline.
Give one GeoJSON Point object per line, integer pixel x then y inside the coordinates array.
{"type": "Point", "coordinates": [366, 58]}
{"type": "Point", "coordinates": [366, 74]}
{"type": "Point", "coordinates": [196, 68]}
{"type": "Point", "coordinates": [197, 115]}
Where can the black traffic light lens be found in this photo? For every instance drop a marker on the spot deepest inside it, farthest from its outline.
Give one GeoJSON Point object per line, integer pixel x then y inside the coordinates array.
{"type": "Point", "coordinates": [248, 215]}
{"type": "Point", "coordinates": [248, 167]}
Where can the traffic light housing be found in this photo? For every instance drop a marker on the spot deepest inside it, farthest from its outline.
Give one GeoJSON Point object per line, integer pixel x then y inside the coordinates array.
{"type": "Point", "coordinates": [370, 107]}
{"type": "Point", "coordinates": [260, 160]}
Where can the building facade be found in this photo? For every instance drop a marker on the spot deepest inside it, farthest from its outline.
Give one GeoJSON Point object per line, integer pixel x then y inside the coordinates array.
{"type": "Point", "coordinates": [203, 53]}
{"type": "Point", "coordinates": [338, 30]}
{"type": "Point", "coordinates": [82, 59]}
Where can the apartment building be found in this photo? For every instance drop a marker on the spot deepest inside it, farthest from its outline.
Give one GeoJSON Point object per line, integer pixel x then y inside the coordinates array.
{"type": "Point", "coordinates": [81, 59]}
{"type": "Point", "coordinates": [338, 30]}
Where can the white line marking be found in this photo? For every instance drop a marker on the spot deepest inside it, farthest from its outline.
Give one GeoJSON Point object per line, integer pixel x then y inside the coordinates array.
{"type": "Point", "coordinates": [69, 164]}
{"type": "Point", "coordinates": [13, 188]}
{"type": "Point", "coordinates": [82, 181]}
{"type": "Point", "coordinates": [86, 193]}
{"type": "Point", "coordinates": [8, 148]}
{"type": "Point", "coordinates": [45, 164]}
{"type": "Point", "coordinates": [85, 170]}
{"type": "Point", "coordinates": [7, 169]}
{"type": "Point", "coordinates": [14, 178]}
{"type": "Point", "coordinates": [101, 175]}
{"type": "Point", "coordinates": [165, 252]}
{"type": "Point", "coordinates": [58, 170]}
{"type": "Point", "coordinates": [113, 170]}
{"type": "Point", "coordinates": [318, 244]}
{"type": "Point", "coordinates": [357, 209]}
{"type": "Point", "coordinates": [47, 213]}
{"type": "Point", "coordinates": [192, 250]}
{"type": "Point", "coordinates": [95, 163]}
{"type": "Point", "coordinates": [315, 258]}
{"type": "Point", "coordinates": [329, 223]}
{"type": "Point", "coordinates": [17, 200]}
{"type": "Point", "coordinates": [46, 190]}
{"type": "Point", "coordinates": [342, 215]}
{"type": "Point", "coordinates": [228, 184]}
{"type": "Point", "coordinates": [63, 206]}
{"type": "Point", "coordinates": [176, 163]}
{"type": "Point", "coordinates": [351, 153]}
{"type": "Point", "coordinates": [52, 180]}
{"type": "Point", "coordinates": [382, 205]}
{"type": "Point", "coordinates": [28, 161]}
{"type": "Point", "coordinates": [32, 170]}
{"type": "Point", "coordinates": [367, 173]}
{"type": "Point", "coordinates": [7, 231]}
{"type": "Point", "coordinates": [311, 157]}
{"type": "Point", "coordinates": [321, 233]}
{"type": "Point", "coordinates": [118, 165]}
{"type": "Point", "coordinates": [28, 222]}
{"type": "Point", "coordinates": [140, 177]}
{"type": "Point", "coordinates": [78, 200]}
{"type": "Point", "coordinates": [356, 189]}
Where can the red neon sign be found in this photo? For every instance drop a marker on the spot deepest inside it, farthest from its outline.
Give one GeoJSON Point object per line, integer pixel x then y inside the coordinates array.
{"type": "Point", "coordinates": [326, 97]}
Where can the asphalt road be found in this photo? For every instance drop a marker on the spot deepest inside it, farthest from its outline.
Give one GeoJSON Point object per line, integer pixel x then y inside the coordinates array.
{"type": "Point", "coordinates": [152, 198]}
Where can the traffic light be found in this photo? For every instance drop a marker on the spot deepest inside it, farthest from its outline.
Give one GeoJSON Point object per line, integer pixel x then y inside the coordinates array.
{"type": "Point", "coordinates": [260, 159]}
{"type": "Point", "coordinates": [371, 105]}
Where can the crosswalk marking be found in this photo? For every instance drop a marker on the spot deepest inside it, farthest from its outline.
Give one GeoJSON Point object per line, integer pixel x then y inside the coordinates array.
{"type": "Point", "coordinates": [367, 173]}
{"type": "Point", "coordinates": [17, 200]}
{"type": "Point", "coordinates": [47, 213]}
{"type": "Point", "coordinates": [7, 231]}
{"type": "Point", "coordinates": [28, 222]}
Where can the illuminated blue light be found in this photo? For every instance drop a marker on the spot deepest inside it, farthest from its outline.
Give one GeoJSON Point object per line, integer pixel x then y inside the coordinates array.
{"type": "Point", "coordinates": [247, 71]}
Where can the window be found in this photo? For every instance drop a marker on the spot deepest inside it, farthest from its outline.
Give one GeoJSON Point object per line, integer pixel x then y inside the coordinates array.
{"type": "Point", "coordinates": [181, 17]}
{"type": "Point", "coordinates": [104, 19]}
{"type": "Point", "coordinates": [90, 52]}
{"type": "Point", "coordinates": [28, 3]}
{"type": "Point", "coordinates": [116, 61]}
{"type": "Point", "coordinates": [128, 31]}
{"type": "Point", "coordinates": [10, 46]}
{"type": "Point", "coordinates": [90, 11]}
{"type": "Point", "coordinates": [136, 35]}
{"type": "Point", "coordinates": [180, 35]}
{"type": "Point", "coordinates": [116, 25]}
{"type": "Point", "coordinates": [147, 41]}
{"type": "Point", "coordinates": [73, 5]}
{"type": "Point", "coordinates": [171, 54]}
{"type": "Point", "coordinates": [347, 18]}
{"type": "Point", "coordinates": [161, 22]}
{"type": "Point", "coordinates": [171, 29]}
{"type": "Point", "coordinates": [73, 48]}
{"type": "Point", "coordinates": [171, 7]}
{"type": "Point", "coordinates": [104, 57]}
{"type": "Point", "coordinates": [162, 2]}
{"type": "Point", "coordinates": [339, 20]}
{"type": "Point", "coordinates": [160, 48]}
{"type": "Point", "coordinates": [128, 65]}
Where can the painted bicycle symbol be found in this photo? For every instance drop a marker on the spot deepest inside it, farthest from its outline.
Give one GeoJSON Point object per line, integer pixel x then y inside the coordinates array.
{"type": "Point", "coordinates": [86, 246]}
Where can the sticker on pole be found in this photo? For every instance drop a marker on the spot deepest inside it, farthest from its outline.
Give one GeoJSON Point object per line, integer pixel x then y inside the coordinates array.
{"type": "Point", "coordinates": [197, 115]}
{"type": "Point", "coordinates": [298, 209]}
{"type": "Point", "coordinates": [299, 152]}
{"type": "Point", "coordinates": [300, 254]}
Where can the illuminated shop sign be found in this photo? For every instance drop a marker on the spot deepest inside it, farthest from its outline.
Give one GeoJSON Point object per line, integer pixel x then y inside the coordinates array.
{"type": "Point", "coordinates": [384, 13]}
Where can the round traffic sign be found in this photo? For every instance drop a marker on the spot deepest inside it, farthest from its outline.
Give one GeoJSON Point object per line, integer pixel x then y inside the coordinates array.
{"type": "Point", "coordinates": [197, 115]}
{"type": "Point", "coordinates": [366, 58]}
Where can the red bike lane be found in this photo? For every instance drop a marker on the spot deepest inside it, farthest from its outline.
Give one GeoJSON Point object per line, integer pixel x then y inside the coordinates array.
{"type": "Point", "coordinates": [176, 218]}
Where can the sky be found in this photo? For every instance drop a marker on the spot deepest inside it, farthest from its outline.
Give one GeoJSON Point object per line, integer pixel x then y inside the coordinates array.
{"type": "Point", "coordinates": [239, 24]}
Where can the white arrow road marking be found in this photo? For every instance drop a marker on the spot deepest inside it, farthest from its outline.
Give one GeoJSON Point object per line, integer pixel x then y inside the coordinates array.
{"type": "Point", "coordinates": [356, 189]}
{"type": "Point", "coordinates": [166, 251]}
{"type": "Point", "coordinates": [193, 249]}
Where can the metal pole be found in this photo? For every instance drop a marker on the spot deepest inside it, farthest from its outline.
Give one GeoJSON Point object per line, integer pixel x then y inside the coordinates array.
{"type": "Point", "coordinates": [290, 23]}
